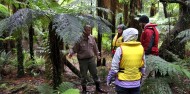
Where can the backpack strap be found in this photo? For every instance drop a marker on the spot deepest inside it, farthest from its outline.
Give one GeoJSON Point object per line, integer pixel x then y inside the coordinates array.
{"type": "Point", "coordinates": [148, 51]}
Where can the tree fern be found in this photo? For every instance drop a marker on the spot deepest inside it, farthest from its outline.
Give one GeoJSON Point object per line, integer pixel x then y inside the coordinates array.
{"type": "Point", "coordinates": [45, 89]}
{"type": "Point", "coordinates": [156, 86]}
{"type": "Point", "coordinates": [68, 27]}
{"type": "Point", "coordinates": [65, 86]}
{"type": "Point", "coordinates": [158, 64]}
{"type": "Point", "coordinates": [3, 25]}
{"type": "Point", "coordinates": [184, 35]}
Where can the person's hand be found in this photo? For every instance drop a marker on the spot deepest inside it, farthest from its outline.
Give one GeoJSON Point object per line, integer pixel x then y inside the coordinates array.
{"type": "Point", "coordinates": [108, 82]}
{"type": "Point", "coordinates": [70, 55]}
{"type": "Point", "coordinates": [98, 57]}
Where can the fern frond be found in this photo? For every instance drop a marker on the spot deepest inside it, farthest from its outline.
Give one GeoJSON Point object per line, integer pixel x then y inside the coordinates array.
{"type": "Point", "coordinates": [4, 12]}
{"type": "Point", "coordinates": [103, 25]}
{"type": "Point", "coordinates": [184, 35]}
{"type": "Point", "coordinates": [68, 27]}
{"type": "Point", "coordinates": [156, 86]}
{"type": "Point", "coordinates": [72, 91]}
{"type": "Point", "coordinates": [65, 86]}
{"type": "Point", "coordinates": [45, 89]}
{"type": "Point", "coordinates": [3, 25]}
{"type": "Point", "coordinates": [164, 67]}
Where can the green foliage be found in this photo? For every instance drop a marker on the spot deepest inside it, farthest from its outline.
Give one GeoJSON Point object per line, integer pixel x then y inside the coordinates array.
{"type": "Point", "coordinates": [4, 12]}
{"type": "Point", "coordinates": [156, 86]}
{"type": "Point", "coordinates": [72, 25]}
{"type": "Point", "coordinates": [45, 89]}
{"type": "Point", "coordinates": [66, 24]}
{"type": "Point", "coordinates": [158, 64]}
{"type": "Point", "coordinates": [4, 58]}
{"type": "Point", "coordinates": [64, 88]}
{"type": "Point", "coordinates": [184, 35]}
{"type": "Point", "coordinates": [71, 91]}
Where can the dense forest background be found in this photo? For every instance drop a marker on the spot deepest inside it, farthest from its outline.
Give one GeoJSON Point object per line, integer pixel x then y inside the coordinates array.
{"type": "Point", "coordinates": [35, 36]}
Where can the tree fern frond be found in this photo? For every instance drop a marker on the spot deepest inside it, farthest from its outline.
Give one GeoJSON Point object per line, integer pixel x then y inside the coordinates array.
{"type": "Point", "coordinates": [156, 86]}
{"type": "Point", "coordinates": [184, 35]}
{"type": "Point", "coordinates": [23, 18]}
{"type": "Point", "coordinates": [164, 67]}
{"type": "Point", "coordinates": [65, 86]}
{"type": "Point", "coordinates": [68, 27]}
{"type": "Point", "coordinates": [103, 25]}
{"type": "Point", "coordinates": [20, 20]}
{"type": "Point", "coordinates": [3, 25]}
{"type": "Point", "coordinates": [45, 89]}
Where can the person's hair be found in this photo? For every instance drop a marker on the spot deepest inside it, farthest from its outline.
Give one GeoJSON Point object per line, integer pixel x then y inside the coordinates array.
{"type": "Point", "coordinates": [122, 26]}
{"type": "Point", "coordinates": [143, 19]}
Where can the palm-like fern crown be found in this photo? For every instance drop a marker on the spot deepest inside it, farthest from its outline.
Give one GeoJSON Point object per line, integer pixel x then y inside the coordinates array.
{"type": "Point", "coordinates": [68, 26]}
{"type": "Point", "coordinates": [22, 19]}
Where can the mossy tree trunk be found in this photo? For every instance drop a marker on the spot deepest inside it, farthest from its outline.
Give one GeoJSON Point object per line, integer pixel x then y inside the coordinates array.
{"type": "Point", "coordinates": [172, 44]}
{"type": "Point", "coordinates": [55, 57]}
{"type": "Point", "coordinates": [20, 56]}
{"type": "Point", "coordinates": [31, 34]}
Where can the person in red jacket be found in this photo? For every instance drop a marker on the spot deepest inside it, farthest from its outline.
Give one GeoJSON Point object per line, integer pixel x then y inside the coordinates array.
{"type": "Point", "coordinates": [149, 37]}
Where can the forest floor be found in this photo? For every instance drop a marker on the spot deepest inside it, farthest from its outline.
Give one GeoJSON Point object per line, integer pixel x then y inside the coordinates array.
{"type": "Point", "coordinates": [10, 84]}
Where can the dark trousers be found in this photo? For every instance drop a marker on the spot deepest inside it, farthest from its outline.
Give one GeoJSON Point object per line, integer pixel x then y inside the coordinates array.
{"type": "Point", "coordinates": [85, 66]}
{"type": "Point", "coordinates": [121, 90]}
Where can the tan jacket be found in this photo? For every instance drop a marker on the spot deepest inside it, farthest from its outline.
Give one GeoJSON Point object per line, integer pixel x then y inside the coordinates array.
{"type": "Point", "coordinates": [86, 48]}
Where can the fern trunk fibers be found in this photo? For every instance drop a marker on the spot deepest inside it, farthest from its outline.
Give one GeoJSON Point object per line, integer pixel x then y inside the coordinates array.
{"type": "Point", "coordinates": [172, 44]}
{"type": "Point", "coordinates": [55, 57]}
{"type": "Point", "coordinates": [125, 13]}
{"type": "Point", "coordinates": [20, 57]}
{"type": "Point", "coordinates": [71, 67]}
{"type": "Point", "coordinates": [113, 9]}
{"type": "Point", "coordinates": [165, 11]}
{"type": "Point", "coordinates": [99, 2]}
{"type": "Point", "coordinates": [31, 34]}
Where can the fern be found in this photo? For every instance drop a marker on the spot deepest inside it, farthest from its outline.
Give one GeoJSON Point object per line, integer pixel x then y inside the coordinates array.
{"type": "Point", "coordinates": [4, 12]}
{"type": "Point", "coordinates": [156, 86]}
{"type": "Point", "coordinates": [45, 89]}
{"type": "Point", "coordinates": [158, 64]}
{"type": "Point", "coordinates": [3, 25]}
{"type": "Point", "coordinates": [72, 25]}
{"type": "Point", "coordinates": [68, 27]}
{"type": "Point", "coordinates": [71, 91]}
{"type": "Point", "coordinates": [65, 86]}
{"type": "Point", "coordinates": [185, 35]}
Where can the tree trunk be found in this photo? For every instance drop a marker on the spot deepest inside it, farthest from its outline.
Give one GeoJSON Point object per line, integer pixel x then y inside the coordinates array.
{"type": "Point", "coordinates": [125, 13]}
{"type": "Point", "coordinates": [99, 12]}
{"type": "Point", "coordinates": [55, 57]}
{"type": "Point", "coordinates": [20, 57]}
{"type": "Point", "coordinates": [172, 44]}
{"type": "Point", "coordinates": [31, 34]}
{"type": "Point", "coordinates": [165, 11]}
{"type": "Point", "coordinates": [113, 9]}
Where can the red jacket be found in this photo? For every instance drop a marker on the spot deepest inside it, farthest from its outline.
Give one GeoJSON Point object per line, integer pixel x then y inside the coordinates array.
{"type": "Point", "coordinates": [146, 37]}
